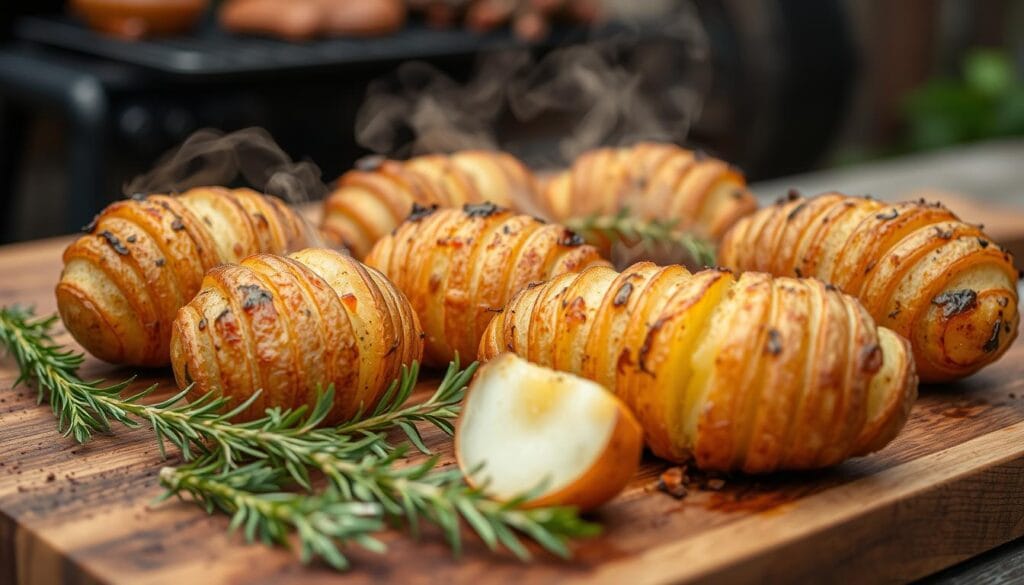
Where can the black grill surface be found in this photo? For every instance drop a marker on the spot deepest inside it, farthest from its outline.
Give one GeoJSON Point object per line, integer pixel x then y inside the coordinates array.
{"type": "Point", "coordinates": [214, 52]}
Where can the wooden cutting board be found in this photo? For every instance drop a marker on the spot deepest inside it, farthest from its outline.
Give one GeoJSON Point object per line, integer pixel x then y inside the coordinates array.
{"type": "Point", "coordinates": [949, 487]}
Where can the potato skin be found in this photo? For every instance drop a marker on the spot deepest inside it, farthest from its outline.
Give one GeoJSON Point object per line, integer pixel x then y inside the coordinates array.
{"type": "Point", "coordinates": [654, 181]}
{"type": "Point", "coordinates": [145, 257]}
{"type": "Point", "coordinates": [459, 266]}
{"type": "Point", "coordinates": [292, 325]}
{"type": "Point", "coordinates": [919, 270]}
{"type": "Point", "coordinates": [371, 200]}
{"type": "Point", "coordinates": [751, 373]}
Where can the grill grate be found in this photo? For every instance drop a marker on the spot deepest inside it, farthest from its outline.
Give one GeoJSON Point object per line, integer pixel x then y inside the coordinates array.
{"type": "Point", "coordinates": [214, 52]}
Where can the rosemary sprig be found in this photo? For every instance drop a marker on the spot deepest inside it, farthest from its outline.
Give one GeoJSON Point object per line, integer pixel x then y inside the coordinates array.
{"type": "Point", "coordinates": [422, 492]}
{"type": "Point", "coordinates": [79, 406]}
{"type": "Point", "coordinates": [250, 494]}
{"type": "Point", "coordinates": [631, 230]}
{"type": "Point", "coordinates": [244, 469]}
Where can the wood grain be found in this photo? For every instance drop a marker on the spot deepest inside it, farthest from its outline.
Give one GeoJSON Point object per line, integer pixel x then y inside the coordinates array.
{"type": "Point", "coordinates": [949, 487]}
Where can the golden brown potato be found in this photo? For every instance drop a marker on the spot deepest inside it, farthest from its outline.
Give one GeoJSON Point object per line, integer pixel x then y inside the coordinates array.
{"type": "Point", "coordinates": [371, 200]}
{"type": "Point", "coordinates": [293, 325]}
{"type": "Point", "coordinates": [654, 181]}
{"type": "Point", "coordinates": [750, 373]}
{"type": "Point", "coordinates": [918, 269]}
{"type": "Point", "coordinates": [144, 258]}
{"type": "Point", "coordinates": [459, 266]}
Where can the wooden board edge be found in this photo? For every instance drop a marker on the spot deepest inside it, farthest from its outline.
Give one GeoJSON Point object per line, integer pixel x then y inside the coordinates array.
{"type": "Point", "coordinates": [901, 524]}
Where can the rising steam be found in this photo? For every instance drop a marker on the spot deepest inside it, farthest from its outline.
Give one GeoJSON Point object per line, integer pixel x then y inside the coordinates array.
{"type": "Point", "coordinates": [585, 95]}
{"type": "Point", "coordinates": [211, 157]}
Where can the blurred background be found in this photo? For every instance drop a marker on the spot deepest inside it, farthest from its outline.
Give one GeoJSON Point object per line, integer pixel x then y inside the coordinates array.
{"type": "Point", "coordinates": [864, 96]}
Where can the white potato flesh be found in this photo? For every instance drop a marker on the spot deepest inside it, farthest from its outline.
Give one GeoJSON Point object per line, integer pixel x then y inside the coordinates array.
{"type": "Point", "coordinates": [525, 425]}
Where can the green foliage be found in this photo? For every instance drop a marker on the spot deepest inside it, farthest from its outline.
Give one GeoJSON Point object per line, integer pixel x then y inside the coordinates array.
{"type": "Point", "coordinates": [623, 227]}
{"type": "Point", "coordinates": [988, 102]}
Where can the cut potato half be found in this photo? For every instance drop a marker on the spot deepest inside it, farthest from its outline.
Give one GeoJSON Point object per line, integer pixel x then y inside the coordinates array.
{"type": "Point", "coordinates": [525, 427]}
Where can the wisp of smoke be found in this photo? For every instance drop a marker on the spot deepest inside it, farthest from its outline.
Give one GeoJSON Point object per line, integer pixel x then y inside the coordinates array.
{"type": "Point", "coordinates": [595, 94]}
{"type": "Point", "coordinates": [211, 157]}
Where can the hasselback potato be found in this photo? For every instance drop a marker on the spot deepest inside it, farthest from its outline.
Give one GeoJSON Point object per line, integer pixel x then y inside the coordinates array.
{"type": "Point", "coordinates": [919, 270]}
{"type": "Point", "coordinates": [143, 258]}
{"type": "Point", "coordinates": [752, 373]}
{"type": "Point", "coordinates": [291, 326]}
{"type": "Point", "coordinates": [654, 181]}
{"type": "Point", "coordinates": [372, 199]}
{"type": "Point", "coordinates": [459, 266]}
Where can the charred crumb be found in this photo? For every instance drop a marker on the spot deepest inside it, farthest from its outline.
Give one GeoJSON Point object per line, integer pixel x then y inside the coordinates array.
{"type": "Point", "coordinates": [870, 266]}
{"type": "Point", "coordinates": [871, 358]}
{"type": "Point", "coordinates": [50, 477]}
{"type": "Point", "coordinates": [799, 273]}
{"type": "Point", "coordinates": [830, 287]}
{"type": "Point", "coordinates": [954, 302]}
{"type": "Point", "coordinates": [534, 284]}
{"type": "Point", "coordinates": [793, 195]}
{"type": "Point", "coordinates": [983, 243]}
{"type": "Point", "coordinates": [202, 324]}
{"type": "Point", "coordinates": [887, 215]}
{"type": "Point", "coordinates": [571, 239]}
{"type": "Point", "coordinates": [539, 220]}
{"type": "Point", "coordinates": [493, 310]}
{"type": "Point", "coordinates": [673, 482]}
{"type": "Point", "coordinates": [91, 226]}
{"type": "Point", "coordinates": [423, 335]}
{"type": "Point", "coordinates": [796, 211]}
{"type": "Point", "coordinates": [177, 225]}
{"type": "Point", "coordinates": [993, 341]}
{"type": "Point", "coordinates": [131, 239]}
{"type": "Point", "coordinates": [485, 209]}
{"type": "Point", "coordinates": [774, 343]}
{"type": "Point", "coordinates": [160, 262]}
{"type": "Point", "coordinates": [505, 229]}
{"type": "Point", "coordinates": [420, 211]}
{"type": "Point", "coordinates": [944, 234]}
{"type": "Point", "coordinates": [370, 163]}
{"type": "Point", "coordinates": [622, 296]}
{"type": "Point", "coordinates": [894, 313]}
{"type": "Point", "coordinates": [254, 296]}
{"type": "Point", "coordinates": [114, 243]}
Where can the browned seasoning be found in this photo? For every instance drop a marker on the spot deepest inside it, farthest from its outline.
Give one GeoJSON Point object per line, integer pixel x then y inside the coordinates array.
{"type": "Point", "coordinates": [870, 266]}
{"type": "Point", "coordinates": [774, 342]}
{"type": "Point", "coordinates": [131, 239]}
{"type": "Point", "coordinates": [983, 243]}
{"type": "Point", "coordinates": [202, 324]}
{"type": "Point", "coordinates": [254, 296]}
{"type": "Point", "coordinates": [114, 243]}
{"type": "Point", "coordinates": [887, 215]}
{"type": "Point", "coordinates": [485, 209]}
{"type": "Point", "coordinates": [622, 296]}
{"type": "Point", "coordinates": [954, 302]}
{"type": "Point", "coordinates": [944, 234]}
{"type": "Point", "coordinates": [420, 211]}
{"type": "Point", "coordinates": [177, 225]}
{"type": "Point", "coordinates": [796, 210]}
{"type": "Point", "coordinates": [993, 341]}
{"type": "Point", "coordinates": [160, 262]}
{"type": "Point", "coordinates": [571, 239]}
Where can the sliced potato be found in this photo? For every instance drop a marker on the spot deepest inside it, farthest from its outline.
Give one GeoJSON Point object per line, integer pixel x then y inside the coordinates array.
{"type": "Point", "coordinates": [525, 426]}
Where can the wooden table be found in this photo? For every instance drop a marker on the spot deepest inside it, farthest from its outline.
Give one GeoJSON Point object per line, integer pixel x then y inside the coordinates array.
{"type": "Point", "coordinates": [949, 487]}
